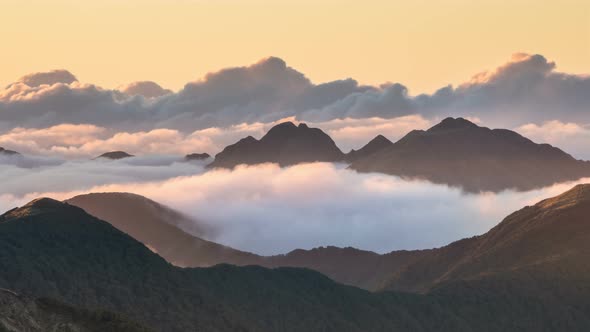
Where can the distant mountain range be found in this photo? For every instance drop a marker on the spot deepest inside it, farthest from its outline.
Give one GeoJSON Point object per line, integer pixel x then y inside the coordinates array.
{"type": "Point", "coordinates": [455, 152]}
{"type": "Point", "coordinates": [530, 273]}
{"type": "Point", "coordinates": [459, 153]}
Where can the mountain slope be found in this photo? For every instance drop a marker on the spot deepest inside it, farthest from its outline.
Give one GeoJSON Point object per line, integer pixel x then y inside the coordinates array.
{"type": "Point", "coordinates": [550, 239]}
{"type": "Point", "coordinates": [22, 314]}
{"type": "Point", "coordinates": [416, 271]}
{"type": "Point", "coordinates": [48, 248]}
{"type": "Point", "coordinates": [285, 144]}
{"type": "Point", "coordinates": [459, 153]}
{"type": "Point", "coordinates": [159, 228]}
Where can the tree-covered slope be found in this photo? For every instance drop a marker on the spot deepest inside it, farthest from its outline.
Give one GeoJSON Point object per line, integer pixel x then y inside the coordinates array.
{"type": "Point", "coordinates": [49, 248]}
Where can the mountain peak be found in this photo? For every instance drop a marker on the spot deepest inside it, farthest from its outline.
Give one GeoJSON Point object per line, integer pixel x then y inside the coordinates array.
{"type": "Point", "coordinates": [453, 124]}
{"type": "Point", "coordinates": [44, 203]}
{"type": "Point", "coordinates": [114, 155]}
{"type": "Point", "coordinates": [285, 144]}
{"type": "Point", "coordinates": [379, 139]}
{"type": "Point", "coordinates": [284, 125]}
{"type": "Point", "coordinates": [378, 143]}
{"type": "Point", "coordinates": [34, 207]}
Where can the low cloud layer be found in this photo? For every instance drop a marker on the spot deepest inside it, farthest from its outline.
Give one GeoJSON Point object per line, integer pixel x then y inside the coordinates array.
{"type": "Point", "coordinates": [572, 137]}
{"type": "Point", "coordinates": [271, 210]}
{"type": "Point", "coordinates": [526, 89]}
{"type": "Point", "coordinates": [86, 141]}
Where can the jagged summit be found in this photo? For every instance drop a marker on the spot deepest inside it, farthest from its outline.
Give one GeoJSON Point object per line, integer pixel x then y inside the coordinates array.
{"type": "Point", "coordinates": [453, 124]}
{"type": "Point", "coordinates": [460, 153]}
{"type": "Point", "coordinates": [285, 144]}
{"type": "Point", "coordinates": [376, 144]}
{"type": "Point", "coordinates": [114, 155]}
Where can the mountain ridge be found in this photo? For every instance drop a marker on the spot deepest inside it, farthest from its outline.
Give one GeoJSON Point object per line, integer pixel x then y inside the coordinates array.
{"type": "Point", "coordinates": [459, 153]}
{"type": "Point", "coordinates": [285, 143]}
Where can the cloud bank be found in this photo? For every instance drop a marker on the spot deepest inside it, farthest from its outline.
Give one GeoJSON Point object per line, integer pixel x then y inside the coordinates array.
{"type": "Point", "coordinates": [81, 141]}
{"type": "Point", "coordinates": [272, 210]}
{"type": "Point", "coordinates": [527, 88]}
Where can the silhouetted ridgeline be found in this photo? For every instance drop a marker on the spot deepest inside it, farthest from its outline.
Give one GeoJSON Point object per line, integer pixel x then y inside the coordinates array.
{"type": "Point", "coordinates": [455, 152]}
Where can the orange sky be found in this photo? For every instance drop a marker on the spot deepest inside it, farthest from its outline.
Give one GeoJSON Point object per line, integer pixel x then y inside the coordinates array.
{"type": "Point", "coordinates": [422, 44]}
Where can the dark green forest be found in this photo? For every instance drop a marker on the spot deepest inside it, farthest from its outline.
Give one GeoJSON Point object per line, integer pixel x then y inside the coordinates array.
{"type": "Point", "coordinates": [55, 250]}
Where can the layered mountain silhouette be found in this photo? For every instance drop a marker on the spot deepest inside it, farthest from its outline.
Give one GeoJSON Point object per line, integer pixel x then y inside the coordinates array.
{"type": "Point", "coordinates": [160, 229]}
{"type": "Point", "coordinates": [455, 152]}
{"type": "Point", "coordinates": [196, 156]}
{"type": "Point", "coordinates": [459, 153]}
{"type": "Point", "coordinates": [522, 240]}
{"type": "Point", "coordinates": [114, 155]}
{"type": "Point", "coordinates": [50, 248]}
{"type": "Point", "coordinates": [19, 313]}
{"type": "Point", "coordinates": [376, 144]}
{"type": "Point", "coordinates": [285, 144]}
{"type": "Point", "coordinates": [5, 152]}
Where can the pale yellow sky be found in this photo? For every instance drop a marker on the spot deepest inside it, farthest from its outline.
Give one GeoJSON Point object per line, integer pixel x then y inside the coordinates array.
{"type": "Point", "coordinates": [422, 44]}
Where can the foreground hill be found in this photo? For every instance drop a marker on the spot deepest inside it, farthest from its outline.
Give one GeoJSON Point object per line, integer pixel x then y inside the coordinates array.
{"type": "Point", "coordinates": [550, 239]}
{"type": "Point", "coordinates": [285, 144]}
{"type": "Point", "coordinates": [459, 153]}
{"type": "Point", "coordinates": [22, 314]}
{"type": "Point", "coordinates": [49, 248]}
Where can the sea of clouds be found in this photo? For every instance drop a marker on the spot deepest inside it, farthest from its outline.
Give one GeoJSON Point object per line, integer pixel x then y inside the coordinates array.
{"type": "Point", "coordinates": [271, 210]}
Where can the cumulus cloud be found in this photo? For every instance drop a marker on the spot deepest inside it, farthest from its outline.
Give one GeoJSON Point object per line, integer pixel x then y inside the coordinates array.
{"type": "Point", "coordinates": [526, 89]}
{"type": "Point", "coordinates": [571, 137]}
{"type": "Point", "coordinates": [48, 78]}
{"type": "Point", "coordinates": [147, 89]}
{"type": "Point", "coordinates": [271, 210]}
